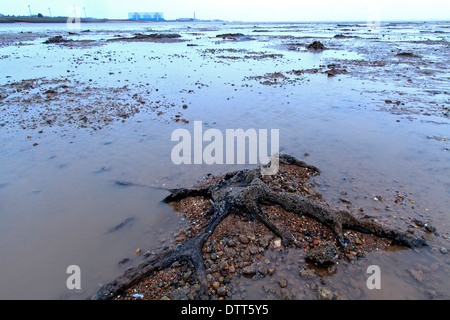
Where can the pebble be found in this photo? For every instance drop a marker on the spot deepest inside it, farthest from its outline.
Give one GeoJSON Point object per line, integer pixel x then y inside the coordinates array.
{"type": "Point", "coordinates": [271, 271]}
{"type": "Point", "coordinates": [264, 242]}
{"type": "Point", "coordinates": [307, 273]}
{"type": "Point", "coordinates": [443, 250]}
{"type": "Point", "coordinates": [262, 271]}
{"type": "Point", "coordinates": [416, 274]}
{"type": "Point", "coordinates": [250, 270]}
{"type": "Point", "coordinates": [432, 294]}
{"type": "Point", "coordinates": [230, 243]}
{"type": "Point", "coordinates": [277, 243]}
{"type": "Point", "coordinates": [216, 285]}
{"type": "Point", "coordinates": [324, 293]}
{"type": "Point", "coordinates": [222, 291]}
{"type": "Point", "coordinates": [283, 283]}
{"type": "Point", "coordinates": [244, 239]}
{"type": "Point", "coordinates": [187, 275]}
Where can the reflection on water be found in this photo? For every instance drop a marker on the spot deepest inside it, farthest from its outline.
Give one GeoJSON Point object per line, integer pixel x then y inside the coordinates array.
{"type": "Point", "coordinates": [59, 199]}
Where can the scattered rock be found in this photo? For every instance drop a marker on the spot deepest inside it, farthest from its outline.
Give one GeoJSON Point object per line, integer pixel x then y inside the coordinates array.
{"type": "Point", "coordinates": [249, 270]}
{"type": "Point", "coordinates": [307, 273]}
{"type": "Point", "coordinates": [154, 37]}
{"type": "Point", "coordinates": [416, 274]}
{"type": "Point", "coordinates": [326, 253]}
{"type": "Point", "coordinates": [324, 293]}
{"type": "Point", "coordinates": [222, 291]}
{"type": "Point", "coordinates": [234, 36]}
{"type": "Point", "coordinates": [407, 55]}
{"type": "Point", "coordinates": [244, 239]}
{"type": "Point", "coordinates": [56, 39]}
{"type": "Point", "coordinates": [277, 243]}
{"type": "Point", "coordinates": [283, 283]}
{"type": "Point", "coordinates": [264, 242]}
{"type": "Point", "coordinates": [216, 285]}
{"type": "Point", "coordinates": [316, 46]}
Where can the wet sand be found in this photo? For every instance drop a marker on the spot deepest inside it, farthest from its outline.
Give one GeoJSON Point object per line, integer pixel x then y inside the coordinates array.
{"type": "Point", "coordinates": [370, 109]}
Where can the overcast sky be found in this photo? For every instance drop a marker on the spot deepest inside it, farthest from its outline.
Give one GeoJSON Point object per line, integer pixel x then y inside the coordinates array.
{"type": "Point", "coordinates": [243, 10]}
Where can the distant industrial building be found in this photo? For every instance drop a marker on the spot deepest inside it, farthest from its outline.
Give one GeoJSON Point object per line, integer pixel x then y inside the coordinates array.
{"type": "Point", "coordinates": [149, 16]}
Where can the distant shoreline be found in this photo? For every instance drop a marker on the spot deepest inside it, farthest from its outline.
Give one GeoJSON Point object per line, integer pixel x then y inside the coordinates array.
{"type": "Point", "coordinates": [87, 20]}
{"type": "Point", "coordinates": [24, 19]}
{"type": "Point", "coordinates": [46, 20]}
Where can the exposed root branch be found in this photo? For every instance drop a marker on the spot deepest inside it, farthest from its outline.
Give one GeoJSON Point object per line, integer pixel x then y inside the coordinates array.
{"type": "Point", "coordinates": [241, 193]}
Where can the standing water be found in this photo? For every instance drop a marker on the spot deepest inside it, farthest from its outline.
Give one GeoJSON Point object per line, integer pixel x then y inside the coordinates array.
{"type": "Point", "coordinates": [78, 116]}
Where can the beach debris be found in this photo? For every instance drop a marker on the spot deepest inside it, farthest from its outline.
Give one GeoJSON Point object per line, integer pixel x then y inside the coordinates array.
{"type": "Point", "coordinates": [316, 46]}
{"type": "Point", "coordinates": [56, 39]}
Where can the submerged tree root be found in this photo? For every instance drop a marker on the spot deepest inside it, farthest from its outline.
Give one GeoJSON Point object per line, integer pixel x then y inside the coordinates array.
{"type": "Point", "coordinates": [243, 193]}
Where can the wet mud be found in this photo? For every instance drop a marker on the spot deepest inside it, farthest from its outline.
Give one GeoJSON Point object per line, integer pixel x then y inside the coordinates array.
{"type": "Point", "coordinates": [348, 94]}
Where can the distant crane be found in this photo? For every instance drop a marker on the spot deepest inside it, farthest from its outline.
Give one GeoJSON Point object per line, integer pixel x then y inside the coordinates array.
{"type": "Point", "coordinates": [29, 9]}
{"type": "Point", "coordinates": [85, 14]}
{"type": "Point", "coordinates": [49, 12]}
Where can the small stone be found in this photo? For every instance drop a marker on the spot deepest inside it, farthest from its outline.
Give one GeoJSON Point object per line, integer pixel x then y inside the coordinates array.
{"type": "Point", "coordinates": [432, 294]}
{"type": "Point", "coordinates": [324, 254]}
{"type": "Point", "coordinates": [264, 242]}
{"type": "Point", "coordinates": [324, 293]}
{"type": "Point", "coordinates": [283, 283]}
{"type": "Point", "coordinates": [216, 285]}
{"type": "Point", "coordinates": [416, 274]}
{"type": "Point", "coordinates": [262, 271]}
{"type": "Point", "coordinates": [244, 239]}
{"type": "Point", "coordinates": [249, 270]}
{"type": "Point", "coordinates": [271, 271]}
{"type": "Point", "coordinates": [213, 256]}
{"type": "Point", "coordinates": [277, 243]}
{"type": "Point", "coordinates": [222, 291]}
{"type": "Point", "coordinates": [187, 275]}
{"type": "Point", "coordinates": [307, 273]}
{"type": "Point", "coordinates": [443, 250]}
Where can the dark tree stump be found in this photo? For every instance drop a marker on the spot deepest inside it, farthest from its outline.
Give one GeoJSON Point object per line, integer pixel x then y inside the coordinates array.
{"type": "Point", "coordinates": [242, 193]}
